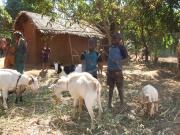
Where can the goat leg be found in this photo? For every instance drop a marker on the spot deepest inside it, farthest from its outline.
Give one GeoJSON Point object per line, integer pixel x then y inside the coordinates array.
{"type": "Point", "coordinates": [20, 98]}
{"type": "Point", "coordinates": [17, 97]}
{"type": "Point", "coordinates": [89, 106]}
{"type": "Point", "coordinates": [19, 94]}
{"type": "Point", "coordinates": [75, 104]}
{"type": "Point", "coordinates": [81, 101]}
{"type": "Point", "coordinates": [5, 95]}
{"type": "Point", "coordinates": [9, 93]}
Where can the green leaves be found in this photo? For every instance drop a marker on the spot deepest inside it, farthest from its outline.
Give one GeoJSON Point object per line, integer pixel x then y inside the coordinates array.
{"type": "Point", "coordinates": [168, 40]}
{"type": "Point", "coordinates": [5, 22]}
{"type": "Point", "coordinates": [153, 22]}
{"type": "Point", "coordinates": [38, 6]}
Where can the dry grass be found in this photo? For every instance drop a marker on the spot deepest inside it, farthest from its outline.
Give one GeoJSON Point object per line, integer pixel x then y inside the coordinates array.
{"type": "Point", "coordinates": [39, 115]}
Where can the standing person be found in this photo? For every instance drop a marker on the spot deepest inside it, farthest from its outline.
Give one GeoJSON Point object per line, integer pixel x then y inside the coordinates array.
{"type": "Point", "coordinates": [90, 58]}
{"type": "Point", "coordinates": [117, 55]}
{"type": "Point", "coordinates": [9, 54]}
{"type": "Point", "coordinates": [20, 53]}
{"type": "Point", "coordinates": [45, 57]}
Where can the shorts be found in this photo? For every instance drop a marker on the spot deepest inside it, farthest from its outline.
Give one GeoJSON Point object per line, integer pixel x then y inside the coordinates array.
{"type": "Point", "coordinates": [114, 77]}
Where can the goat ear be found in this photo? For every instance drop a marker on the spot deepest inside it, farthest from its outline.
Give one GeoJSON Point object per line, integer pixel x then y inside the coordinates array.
{"type": "Point", "coordinates": [30, 82]}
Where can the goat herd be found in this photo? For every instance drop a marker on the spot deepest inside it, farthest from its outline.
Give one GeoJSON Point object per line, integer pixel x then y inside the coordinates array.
{"type": "Point", "coordinates": [82, 86]}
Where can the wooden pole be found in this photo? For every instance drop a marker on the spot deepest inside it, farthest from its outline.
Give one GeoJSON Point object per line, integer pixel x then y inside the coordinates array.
{"type": "Point", "coordinates": [70, 46]}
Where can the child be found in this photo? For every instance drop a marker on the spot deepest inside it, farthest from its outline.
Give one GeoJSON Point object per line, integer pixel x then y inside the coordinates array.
{"type": "Point", "coordinates": [117, 54]}
{"type": "Point", "coordinates": [45, 56]}
{"type": "Point", "coordinates": [90, 58]}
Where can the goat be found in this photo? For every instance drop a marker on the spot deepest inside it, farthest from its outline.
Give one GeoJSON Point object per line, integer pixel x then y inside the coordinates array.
{"type": "Point", "coordinates": [82, 86]}
{"type": "Point", "coordinates": [150, 99]}
{"type": "Point", "coordinates": [11, 80]}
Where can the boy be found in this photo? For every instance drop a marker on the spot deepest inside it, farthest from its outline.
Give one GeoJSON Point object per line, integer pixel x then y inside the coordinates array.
{"type": "Point", "coordinates": [90, 58]}
{"type": "Point", "coordinates": [117, 55]}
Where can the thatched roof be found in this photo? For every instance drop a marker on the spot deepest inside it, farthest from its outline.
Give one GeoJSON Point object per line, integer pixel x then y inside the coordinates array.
{"type": "Point", "coordinates": [59, 26]}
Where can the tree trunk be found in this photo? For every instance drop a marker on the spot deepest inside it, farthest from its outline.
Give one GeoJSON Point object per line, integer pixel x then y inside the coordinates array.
{"type": "Point", "coordinates": [146, 51]}
{"type": "Point", "coordinates": [106, 29]}
{"type": "Point", "coordinates": [178, 60]}
{"type": "Point", "coordinates": [136, 51]}
{"type": "Point", "coordinates": [109, 38]}
{"type": "Point", "coordinates": [155, 60]}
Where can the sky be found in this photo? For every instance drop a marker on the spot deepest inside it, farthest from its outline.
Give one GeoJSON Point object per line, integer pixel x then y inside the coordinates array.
{"type": "Point", "coordinates": [1, 2]}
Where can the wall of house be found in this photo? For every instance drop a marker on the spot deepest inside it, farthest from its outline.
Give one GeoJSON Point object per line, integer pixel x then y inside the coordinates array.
{"type": "Point", "coordinates": [59, 49]}
{"type": "Point", "coordinates": [79, 44]}
{"type": "Point", "coordinates": [29, 31]}
{"type": "Point", "coordinates": [30, 36]}
{"type": "Point", "coordinates": [65, 48]}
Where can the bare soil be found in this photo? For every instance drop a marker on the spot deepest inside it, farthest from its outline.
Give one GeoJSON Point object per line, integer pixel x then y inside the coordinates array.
{"type": "Point", "coordinates": [39, 115]}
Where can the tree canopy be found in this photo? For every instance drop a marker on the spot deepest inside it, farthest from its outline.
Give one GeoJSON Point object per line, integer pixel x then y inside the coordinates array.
{"type": "Point", "coordinates": [151, 24]}
{"type": "Point", "coordinates": [147, 24]}
{"type": "Point", "coordinates": [5, 22]}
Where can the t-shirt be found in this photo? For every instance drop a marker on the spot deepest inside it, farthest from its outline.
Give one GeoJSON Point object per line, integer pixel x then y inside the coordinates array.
{"type": "Point", "coordinates": [90, 59]}
{"type": "Point", "coordinates": [21, 50]}
{"type": "Point", "coordinates": [116, 55]}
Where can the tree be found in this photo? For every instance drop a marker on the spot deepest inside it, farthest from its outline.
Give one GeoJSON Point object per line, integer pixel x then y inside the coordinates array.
{"type": "Point", "coordinates": [39, 6]}
{"type": "Point", "coordinates": [5, 22]}
{"type": "Point", "coordinates": [178, 60]}
{"type": "Point", "coordinates": [151, 22]}
{"type": "Point", "coordinates": [107, 15]}
{"type": "Point", "coordinates": [15, 6]}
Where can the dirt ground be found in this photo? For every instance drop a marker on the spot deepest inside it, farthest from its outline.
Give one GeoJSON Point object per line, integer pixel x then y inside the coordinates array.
{"type": "Point", "coordinates": [39, 115]}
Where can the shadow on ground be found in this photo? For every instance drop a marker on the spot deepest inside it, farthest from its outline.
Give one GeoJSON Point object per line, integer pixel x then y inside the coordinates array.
{"type": "Point", "coordinates": [39, 113]}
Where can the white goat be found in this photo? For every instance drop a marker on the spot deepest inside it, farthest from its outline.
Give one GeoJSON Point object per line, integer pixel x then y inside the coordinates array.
{"type": "Point", "coordinates": [150, 99]}
{"type": "Point", "coordinates": [82, 86]}
{"type": "Point", "coordinates": [78, 68]}
{"type": "Point", "coordinates": [11, 79]}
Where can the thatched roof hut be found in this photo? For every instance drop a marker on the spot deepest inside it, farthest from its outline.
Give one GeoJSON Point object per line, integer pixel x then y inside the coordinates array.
{"type": "Point", "coordinates": [66, 39]}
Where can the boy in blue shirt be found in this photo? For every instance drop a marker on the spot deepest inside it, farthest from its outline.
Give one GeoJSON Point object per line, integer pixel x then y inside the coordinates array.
{"type": "Point", "coordinates": [117, 55]}
{"type": "Point", "coordinates": [90, 58]}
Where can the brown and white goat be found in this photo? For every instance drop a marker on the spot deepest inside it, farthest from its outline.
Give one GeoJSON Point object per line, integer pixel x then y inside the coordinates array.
{"type": "Point", "coordinates": [150, 99]}
{"type": "Point", "coordinates": [11, 81]}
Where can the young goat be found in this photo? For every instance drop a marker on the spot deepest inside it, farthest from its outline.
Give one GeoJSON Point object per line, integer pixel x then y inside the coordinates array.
{"type": "Point", "coordinates": [82, 86]}
{"type": "Point", "coordinates": [150, 99]}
